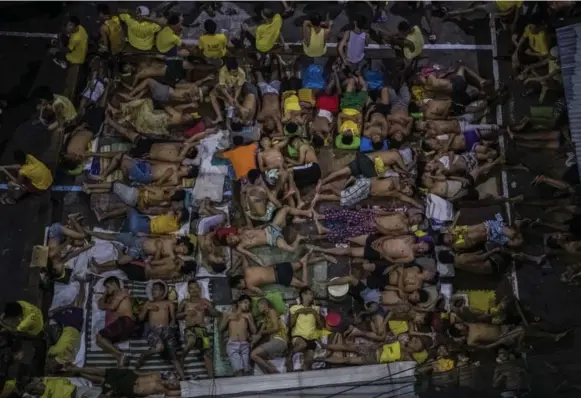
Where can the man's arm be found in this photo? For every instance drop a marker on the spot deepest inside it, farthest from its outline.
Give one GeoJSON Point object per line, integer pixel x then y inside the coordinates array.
{"type": "Point", "coordinates": [242, 250]}
{"type": "Point", "coordinates": [167, 174]}
{"type": "Point", "coordinates": [254, 290]}
{"type": "Point", "coordinates": [343, 46]}
{"type": "Point", "coordinates": [306, 30]}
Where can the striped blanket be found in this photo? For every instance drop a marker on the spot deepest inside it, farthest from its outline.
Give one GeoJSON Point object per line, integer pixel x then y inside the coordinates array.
{"type": "Point", "coordinates": [193, 365]}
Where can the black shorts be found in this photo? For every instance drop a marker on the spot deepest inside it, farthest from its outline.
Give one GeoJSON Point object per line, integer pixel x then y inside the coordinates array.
{"type": "Point", "coordinates": [292, 84]}
{"type": "Point", "coordinates": [134, 272]}
{"type": "Point", "coordinates": [142, 147]}
{"type": "Point", "coordinates": [306, 175]}
{"type": "Point", "coordinates": [283, 273]}
{"type": "Point", "coordinates": [369, 253]}
{"type": "Point", "coordinates": [362, 165]}
{"type": "Point", "coordinates": [459, 84]}
{"type": "Point", "coordinates": [120, 381]}
{"type": "Point", "coordinates": [471, 193]}
{"type": "Point", "coordinates": [311, 344]}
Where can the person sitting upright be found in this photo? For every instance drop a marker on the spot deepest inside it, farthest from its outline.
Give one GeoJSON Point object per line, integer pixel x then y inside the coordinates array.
{"type": "Point", "coordinates": [213, 45]}
{"type": "Point", "coordinates": [112, 36]}
{"type": "Point", "coordinates": [230, 82]}
{"type": "Point", "coordinates": [316, 33]}
{"type": "Point", "coordinates": [58, 105]}
{"type": "Point", "coordinates": [168, 41]}
{"type": "Point", "coordinates": [537, 44]}
{"type": "Point", "coordinates": [140, 32]}
{"type": "Point", "coordinates": [76, 50]}
{"type": "Point", "coordinates": [22, 317]}
{"type": "Point", "coordinates": [33, 177]}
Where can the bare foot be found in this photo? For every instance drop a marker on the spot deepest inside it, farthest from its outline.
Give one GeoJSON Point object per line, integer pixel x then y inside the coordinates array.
{"type": "Point", "coordinates": [97, 177]}
{"type": "Point", "coordinates": [320, 229]}
{"type": "Point", "coordinates": [518, 198]}
{"type": "Point", "coordinates": [318, 187]}
{"type": "Point", "coordinates": [301, 203]}
{"type": "Point", "coordinates": [290, 193]}
{"type": "Point", "coordinates": [329, 258]}
{"type": "Point", "coordinates": [314, 201]}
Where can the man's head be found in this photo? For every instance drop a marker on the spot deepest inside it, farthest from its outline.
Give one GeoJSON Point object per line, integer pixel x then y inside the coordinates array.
{"type": "Point", "coordinates": [265, 143]}
{"type": "Point", "coordinates": [253, 175]}
{"type": "Point", "coordinates": [404, 28]}
{"type": "Point", "coordinates": [183, 246]}
{"type": "Point", "coordinates": [182, 215]}
{"type": "Point", "coordinates": [315, 19]}
{"type": "Point", "coordinates": [415, 219]}
{"type": "Point", "coordinates": [232, 65]}
{"type": "Point", "coordinates": [19, 156]}
{"type": "Point", "coordinates": [192, 153]}
{"type": "Point", "coordinates": [238, 140]}
{"type": "Point", "coordinates": [291, 127]}
{"type": "Point", "coordinates": [178, 195]}
{"type": "Point", "coordinates": [306, 296]}
{"type": "Point", "coordinates": [104, 11]}
{"type": "Point", "coordinates": [73, 24]}
{"type": "Point", "coordinates": [360, 21]}
{"type": "Point", "coordinates": [264, 305]}
{"type": "Point", "coordinates": [36, 387]}
{"type": "Point", "coordinates": [189, 267]}
{"type": "Point", "coordinates": [442, 351]}
{"type": "Point", "coordinates": [243, 303]}
{"type": "Point", "coordinates": [267, 14]}
{"type": "Point", "coordinates": [430, 145]}
{"type": "Point", "coordinates": [174, 22]}
{"type": "Point", "coordinates": [45, 95]}
{"type": "Point", "coordinates": [419, 296]}
{"type": "Point", "coordinates": [537, 23]}
{"type": "Point", "coordinates": [158, 291]}
{"type": "Point", "coordinates": [194, 290]}
{"type": "Point", "coordinates": [112, 284]}
{"type": "Point", "coordinates": [12, 310]}
{"type": "Point", "coordinates": [189, 171]}
{"type": "Point", "coordinates": [376, 141]}
{"type": "Point", "coordinates": [423, 247]}
{"type": "Point", "coordinates": [446, 257]}
{"type": "Point", "coordinates": [210, 26]}
{"type": "Point", "coordinates": [347, 138]}
{"type": "Point", "coordinates": [408, 190]}
{"type": "Point", "coordinates": [415, 344]}
{"type": "Point", "coordinates": [232, 240]}
{"type": "Point", "coordinates": [458, 330]}
{"type": "Point", "coordinates": [269, 123]}
{"type": "Point", "coordinates": [445, 239]}
{"type": "Point", "coordinates": [237, 282]}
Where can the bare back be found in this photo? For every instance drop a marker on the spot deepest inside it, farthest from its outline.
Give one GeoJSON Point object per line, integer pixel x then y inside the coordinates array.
{"type": "Point", "coordinates": [258, 276]}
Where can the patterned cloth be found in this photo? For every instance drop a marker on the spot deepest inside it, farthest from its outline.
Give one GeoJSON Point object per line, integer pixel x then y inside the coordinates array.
{"type": "Point", "coordinates": [344, 224]}
{"type": "Point", "coordinates": [355, 193]}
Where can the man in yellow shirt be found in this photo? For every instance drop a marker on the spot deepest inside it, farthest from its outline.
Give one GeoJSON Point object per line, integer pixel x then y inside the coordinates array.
{"type": "Point", "coordinates": [112, 36]}
{"type": "Point", "coordinates": [265, 35]}
{"type": "Point", "coordinates": [55, 107]}
{"type": "Point", "coordinates": [533, 46]}
{"type": "Point", "coordinates": [140, 32]}
{"type": "Point", "coordinates": [33, 177]}
{"type": "Point", "coordinates": [305, 323]}
{"type": "Point", "coordinates": [163, 224]}
{"type": "Point", "coordinates": [76, 50]}
{"type": "Point", "coordinates": [22, 316]}
{"type": "Point", "coordinates": [230, 81]}
{"type": "Point", "coordinates": [168, 41]}
{"type": "Point", "coordinates": [213, 45]}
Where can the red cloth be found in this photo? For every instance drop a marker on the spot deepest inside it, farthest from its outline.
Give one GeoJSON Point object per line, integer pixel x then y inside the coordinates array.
{"type": "Point", "coordinates": [198, 128]}
{"type": "Point", "coordinates": [222, 233]}
{"type": "Point", "coordinates": [328, 102]}
{"type": "Point", "coordinates": [333, 319]}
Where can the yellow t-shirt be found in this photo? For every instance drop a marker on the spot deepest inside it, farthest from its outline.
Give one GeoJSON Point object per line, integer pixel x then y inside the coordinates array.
{"type": "Point", "coordinates": [443, 365]}
{"type": "Point", "coordinates": [141, 34]}
{"type": "Point", "coordinates": [32, 321]}
{"type": "Point", "coordinates": [538, 42]}
{"type": "Point", "coordinates": [60, 387]}
{"type": "Point", "coordinates": [349, 125]}
{"type": "Point", "coordinates": [398, 327]}
{"type": "Point", "coordinates": [115, 30]}
{"type": "Point", "coordinates": [68, 109]}
{"type": "Point", "coordinates": [66, 348]}
{"type": "Point", "coordinates": [390, 352]}
{"type": "Point", "coordinates": [167, 39]}
{"type": "Point", "coordinates": [420, 357]}
{"type": "Point", "coordinates": [225, 78]}
{"type": "Point", "coordinates": [291, 103]}
{"type": "Point", "coordinates": [164, 224]}
{"type": "Point", "coordinates": [306, 325]}
{"type": "Point", "coordinates": [39, 176]}
{"type": "Point", "coordinates": [267, 34]}
{"type": "Point", "coordinates": [317, 46]}
{"type": "Point", "coordinates": [504, 6]}
{"type": "Point", "coordinates": [213, 46]}
{"type": "Point", "coordinates": [306, 95]}
{"type": "Point", "coordinates": [417, 38]}
{"type": "Point", "coordinates": [78, 43]}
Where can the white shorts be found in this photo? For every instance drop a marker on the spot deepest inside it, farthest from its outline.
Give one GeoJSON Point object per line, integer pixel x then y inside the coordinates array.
{"type": "Point", "coordinates": [356, 193]}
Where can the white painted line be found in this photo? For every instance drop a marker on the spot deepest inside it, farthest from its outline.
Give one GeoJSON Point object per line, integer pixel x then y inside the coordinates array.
{"type": "Point", "coordinates": [39, 35]}
{"type": "Point", "coordinates": [502, 144]}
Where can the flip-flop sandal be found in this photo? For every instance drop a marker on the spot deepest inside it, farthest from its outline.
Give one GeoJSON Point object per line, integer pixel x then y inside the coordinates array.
{"type": "Point", "coordinates": [5, 200]}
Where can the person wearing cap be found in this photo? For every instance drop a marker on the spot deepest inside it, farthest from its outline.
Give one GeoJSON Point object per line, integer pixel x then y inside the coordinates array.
{"type": "Point", "coordinates": [140, 32]}
{"type": "Point", "coordinates": [231, 79]}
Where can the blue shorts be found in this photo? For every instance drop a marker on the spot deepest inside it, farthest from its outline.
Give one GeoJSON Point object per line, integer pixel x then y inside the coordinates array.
{"type": "Point", "coordinates": [138, 222]}
{"type": "Point", "coordinates": [140, 172]}
{"type": "Point", "coordinates": [132, 243]}
{"type": "Point", "coordinates": [56, 231]}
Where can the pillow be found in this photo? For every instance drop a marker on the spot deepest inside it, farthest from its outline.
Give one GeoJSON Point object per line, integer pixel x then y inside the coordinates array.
{"type": "Point", "coordinates": [354, 145]}
{"type": "Point", "coordinates": [365, 145]}
{"type": "Point", "coordinates": [276, 299]}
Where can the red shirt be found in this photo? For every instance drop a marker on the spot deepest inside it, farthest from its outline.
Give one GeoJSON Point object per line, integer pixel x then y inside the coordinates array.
{"type": "Point", "coordinates": [222, 233]}
{"type": "Point", "coordinates": [198, 128]}
{"type": "Point", "coordinates": [328, 103]}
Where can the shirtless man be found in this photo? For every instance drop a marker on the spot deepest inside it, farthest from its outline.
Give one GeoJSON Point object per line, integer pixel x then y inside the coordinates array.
{"type": "Point", "coordinates": [77, 147]}
{"type": "Point", "coordinates": [271, 162]}
{"type": "Point", "coordinates": [270, 115]}
{"type": "Point", "coordinates": [400, 250]}
{"type": "Point", "coordinates": [193, 93]}
{"type": "Point", "coordinates": [258, 201]}
{"type": "Point", "coordinates": [194, 310]}
{"type": "Point", "coordinates": [358, 189]}
{"type": "Point", "coordinates": [141, 248]}
{"type": "Point", "coordinates": [281, 274]}
{"type": "Point", "coordinates": [241, 326]}
{"type": "Point", "coordinates": [246, 110]}
{"type": "Point", "coordinates": [128, 383]}
{"type": "Point", "coordinates": [400, 122]}
{"type": "Point", "coordinates": [148, 172]}
{"type": "Point", "coordinates": [306, 170]}
{"type": "Point", "coordinates": [466, 237]}
{"type": "Point", "coordinates": [433, 128]}
{"type": "Point", "coordinates": [117, 302]}
{"type": "Point", "coordinates": [152, 149]}
{"type": "Point", "coordinates": [147, 199]}
{"type": "Point", "coordinates": [268, 235]}
{"type": "Point", "coordinates": [366, 165]}
{"type": "Point", "coordinates": [66, 242]}
{"type": "Point", "coordinates": [471, 140]}
{"type": "Point", "coordinates": [411, 279]}
{"type": "Point", "coordinates": [161, 333]}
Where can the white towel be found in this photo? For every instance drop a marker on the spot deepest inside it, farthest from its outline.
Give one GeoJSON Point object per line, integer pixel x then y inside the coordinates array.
{"type": "Point", "coordinates": [207, 148]}
{"type": "Point", "coordinates": [210, 186]}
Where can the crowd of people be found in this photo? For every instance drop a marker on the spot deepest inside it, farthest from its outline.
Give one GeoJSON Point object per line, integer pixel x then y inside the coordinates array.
{"type": "Point", "coordinates": [414, 134]}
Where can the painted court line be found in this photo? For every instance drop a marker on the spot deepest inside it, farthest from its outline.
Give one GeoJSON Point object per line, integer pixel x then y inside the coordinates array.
{"type": "Point", "coordinates": [57, 188]}
{"type": "Point", "coordinates": [502, 144]}
{"type": "Point", "coordinates": [444, 46]}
